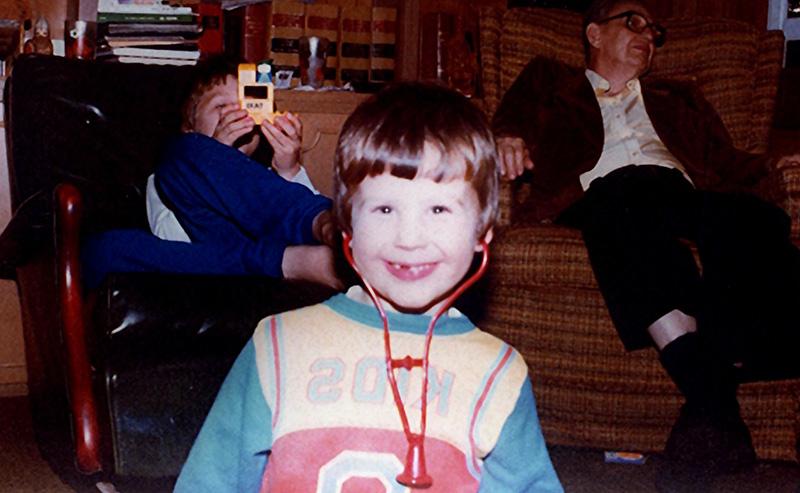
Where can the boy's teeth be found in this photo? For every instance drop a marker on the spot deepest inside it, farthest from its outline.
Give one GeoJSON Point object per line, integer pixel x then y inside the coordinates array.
{"type": "Point", "coordinates": [414, 269]}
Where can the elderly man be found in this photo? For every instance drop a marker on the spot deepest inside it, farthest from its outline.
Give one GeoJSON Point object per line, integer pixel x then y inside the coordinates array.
{"type": "Point", "coordinates": [640, 166]}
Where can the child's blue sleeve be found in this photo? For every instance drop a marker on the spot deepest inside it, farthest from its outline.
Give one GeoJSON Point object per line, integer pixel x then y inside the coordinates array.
{"type": "Point", "coordinates": [520, 462]}
{"type": "Point", "coordinates": [230, 452]}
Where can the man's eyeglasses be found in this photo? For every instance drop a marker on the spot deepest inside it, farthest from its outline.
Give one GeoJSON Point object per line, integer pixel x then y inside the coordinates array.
{"type": "Point", "coordinates": [637, 23]}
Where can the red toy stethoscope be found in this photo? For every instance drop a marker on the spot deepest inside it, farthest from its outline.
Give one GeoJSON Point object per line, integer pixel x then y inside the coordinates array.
{"type": "Point", "coordinates": [414, 474]}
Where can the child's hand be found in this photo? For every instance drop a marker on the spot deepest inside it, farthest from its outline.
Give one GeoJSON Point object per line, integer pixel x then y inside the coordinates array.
{"type": "Point", "coordinates": [218, 115]}
{"type": "Point", "coordinates": [285, 135]}
{"type": "Point", "coordinates": [311, 263]}
{"type": "Point", "coordinates": [234, 123]}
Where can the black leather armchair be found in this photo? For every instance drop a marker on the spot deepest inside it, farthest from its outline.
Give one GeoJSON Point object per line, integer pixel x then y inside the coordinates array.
{"type": "Point", "coordinates": [120, 379]}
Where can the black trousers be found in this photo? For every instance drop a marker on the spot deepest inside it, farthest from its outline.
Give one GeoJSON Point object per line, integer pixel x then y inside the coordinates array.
{"type": "Point", "coordinates": [638, 223]}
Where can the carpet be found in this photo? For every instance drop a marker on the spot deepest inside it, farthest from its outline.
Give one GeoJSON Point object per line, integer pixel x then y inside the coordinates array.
{"type": "Point", "coordinates": [22, 469]}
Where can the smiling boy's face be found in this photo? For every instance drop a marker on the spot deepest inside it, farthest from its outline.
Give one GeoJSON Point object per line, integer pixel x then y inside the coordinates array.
{"type": "Point", "coordinates": [414, 240]}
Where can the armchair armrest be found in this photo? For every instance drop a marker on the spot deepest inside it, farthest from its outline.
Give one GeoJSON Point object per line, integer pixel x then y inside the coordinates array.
{"type": "Point", "coordinates": [782, 188]}
{"type": "Point", "coordinates": [790, 178]}
{"type": "Point", "coordinates": [79, 377]}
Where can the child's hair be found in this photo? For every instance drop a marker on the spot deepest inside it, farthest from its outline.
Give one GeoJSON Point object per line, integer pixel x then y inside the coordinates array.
{"type": "Point", "coordinates": [208, 73]}
{"type": "Point", "coordinates": [389, 132]}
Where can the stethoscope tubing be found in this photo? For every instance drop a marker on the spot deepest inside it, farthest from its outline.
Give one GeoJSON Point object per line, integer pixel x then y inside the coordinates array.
{"type": "Point", "coordinates": [414, 475]}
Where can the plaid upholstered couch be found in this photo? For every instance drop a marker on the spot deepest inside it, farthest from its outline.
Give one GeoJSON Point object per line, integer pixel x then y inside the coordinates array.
{"type": "Point", "coordinates": [543, 297]}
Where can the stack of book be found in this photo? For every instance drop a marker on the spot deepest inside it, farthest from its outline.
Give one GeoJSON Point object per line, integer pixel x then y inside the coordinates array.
{"type": "Point", "coordinates": [362, 39]}
{"type": "Point", "coordinates": [147, 31]}
{"type": "Point", "coordinates": [382, 51]}
{"type": "Point", "coordinates": [355, 43]}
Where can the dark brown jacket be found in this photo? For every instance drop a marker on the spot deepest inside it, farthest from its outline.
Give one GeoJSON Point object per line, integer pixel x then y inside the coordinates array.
{"type": "Point", "coordinates": [553, 108]}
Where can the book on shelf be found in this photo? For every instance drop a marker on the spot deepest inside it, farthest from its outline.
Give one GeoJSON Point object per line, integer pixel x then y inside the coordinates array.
{"type": "Point", "coordinates": [123, 17]}
{"type": "Point", "coordinates": [142, 41]}
{"type": "Point", "coordinates": [141, 7]}
{"type": "Point", "coordinates": [287, 23]}
{"type": "Point", "coordinates": [355, 47]}
{"type": "Point", "coordinates": [149, 60]}
{"type": "Point", "coordinates": [383, 44]}
{"type": "Point", "coordinates": [246, 32]}
{"type": "Point", "coordinates": [437, 28]}
{"type": "Point", "coordinates": [255, 32]}
{"type": "Point", "coordinates": [149, 29]}
{"type": "Point", "coordinates": [171, 51]}
{"type": "Point", "coordinates": [211, 40]}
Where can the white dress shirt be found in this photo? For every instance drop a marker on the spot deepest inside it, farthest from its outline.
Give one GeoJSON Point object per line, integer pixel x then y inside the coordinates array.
{"type": "Point", "coordinates": [630, 138]}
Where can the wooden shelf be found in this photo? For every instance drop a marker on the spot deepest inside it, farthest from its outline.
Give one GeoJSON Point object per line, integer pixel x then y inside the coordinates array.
{"type": "Point", "coordinates": [337, 102]}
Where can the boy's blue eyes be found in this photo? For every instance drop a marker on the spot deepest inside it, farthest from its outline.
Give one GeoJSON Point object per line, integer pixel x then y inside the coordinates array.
{"type": "Point", "coordinates": [436, 209]}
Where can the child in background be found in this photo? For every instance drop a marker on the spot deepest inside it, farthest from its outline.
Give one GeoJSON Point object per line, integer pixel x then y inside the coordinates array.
{"type": "Point", "coordinates": [341, 397]}
{"type": "Point", "coordinates": [215, 208]}
{"type": "Point", "coordinates": [212, 109]}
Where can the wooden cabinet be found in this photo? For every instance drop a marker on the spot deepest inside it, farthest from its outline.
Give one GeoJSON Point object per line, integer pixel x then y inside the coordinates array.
{"type": "Point", "coordinates": [323, 114]}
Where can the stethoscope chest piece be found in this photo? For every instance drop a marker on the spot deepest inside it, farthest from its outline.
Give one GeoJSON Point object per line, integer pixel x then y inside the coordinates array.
{"type": "Point", "coordinates": [415, 474]}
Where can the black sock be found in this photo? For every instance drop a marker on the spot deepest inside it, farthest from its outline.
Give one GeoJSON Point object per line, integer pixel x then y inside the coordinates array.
{"type": "Point", "coordinates": [705, 380]}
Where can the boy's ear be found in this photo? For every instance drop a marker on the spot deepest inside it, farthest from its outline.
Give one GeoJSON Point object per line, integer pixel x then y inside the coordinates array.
{"type": "Point", "coordinates": [487, 237]}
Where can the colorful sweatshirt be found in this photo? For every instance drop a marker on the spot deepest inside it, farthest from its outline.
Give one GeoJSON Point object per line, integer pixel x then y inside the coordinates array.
{"type": "Point", "coordinates": [307, 407]}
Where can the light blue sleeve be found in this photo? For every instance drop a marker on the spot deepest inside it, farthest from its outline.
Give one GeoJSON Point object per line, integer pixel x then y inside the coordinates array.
{"type": "Point", "coordinates": [519, 462]}
{"type": "Point", "coordinates": [230, 452]}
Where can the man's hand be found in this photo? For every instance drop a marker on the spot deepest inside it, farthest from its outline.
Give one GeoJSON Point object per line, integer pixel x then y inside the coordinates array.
{"type": "Point", "coordinates": [285, 135]}
{"type": "Point", "coordinates": [513, 156]}
{"type": "Point", "coordinates": [324, 229]}
{"type": "Point", "coordinates": [311, 263]}
{"type": "Point", "coordinates": [790, 160]}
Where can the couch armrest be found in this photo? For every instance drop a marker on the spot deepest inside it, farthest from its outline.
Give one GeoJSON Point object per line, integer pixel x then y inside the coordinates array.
{"type": "Point", "coordinates": [790, 185]}
{"type": "Point", "coordinates": [782, 188]}
{"type": "Point", "coordinates": [79, 377]}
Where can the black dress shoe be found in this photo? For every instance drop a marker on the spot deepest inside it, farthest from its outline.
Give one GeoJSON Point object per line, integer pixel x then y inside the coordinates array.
{"type": "Point", "coordinates": [702, 446]}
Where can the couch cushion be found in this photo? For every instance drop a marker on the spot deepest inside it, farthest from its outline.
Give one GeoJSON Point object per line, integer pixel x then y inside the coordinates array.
{"type": "Point", "coordinates": [541, 255]}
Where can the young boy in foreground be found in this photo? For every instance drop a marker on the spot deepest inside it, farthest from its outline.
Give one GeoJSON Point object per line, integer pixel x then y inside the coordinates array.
{"type": "Point", "coordinates": [309, 405]}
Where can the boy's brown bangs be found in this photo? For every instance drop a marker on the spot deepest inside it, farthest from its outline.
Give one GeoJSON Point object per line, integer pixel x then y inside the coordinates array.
{"type": "Point", "coordinates": [390, 135]}
{"type": "Point", "coordinates": [462, 161]}
{"type": "Point", "coordinates": [408, 163]}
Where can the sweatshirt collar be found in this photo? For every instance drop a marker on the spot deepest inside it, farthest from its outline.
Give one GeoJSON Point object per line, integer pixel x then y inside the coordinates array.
{"type": "Point", "coordinates": [451, 322]}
